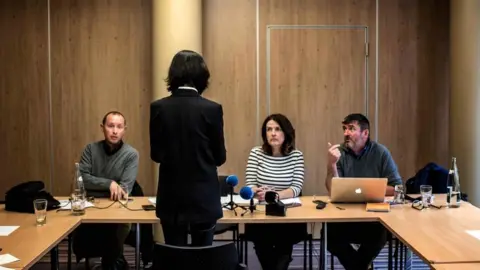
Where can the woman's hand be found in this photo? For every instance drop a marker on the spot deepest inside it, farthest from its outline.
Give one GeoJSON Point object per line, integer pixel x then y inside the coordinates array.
{"type": "Point", "coordinates": [259, 193]}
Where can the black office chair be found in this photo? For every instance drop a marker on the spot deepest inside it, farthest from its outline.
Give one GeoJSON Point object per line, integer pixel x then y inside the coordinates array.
{"type": "Point", "coordinates": [216, 257]}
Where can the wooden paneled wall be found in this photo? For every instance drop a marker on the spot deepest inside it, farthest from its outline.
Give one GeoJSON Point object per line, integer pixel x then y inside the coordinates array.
{"type": "Point", "coordinates": [101, 61]}
{"type": "Point", "coordinates": [24, 98]}
{"type": "Point", "coordinates": [414, 82]}
{"type": "Point", "coordinates": [100, 55]}
{"type": "Point", "coordinates": [305, 58]}
{"type": "Point", "coordinates": [315, 67]}
{"type": "Point", "coordinates": [229, 50]}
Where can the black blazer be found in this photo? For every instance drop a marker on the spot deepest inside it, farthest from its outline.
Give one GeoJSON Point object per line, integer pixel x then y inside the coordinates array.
{"type": "Point", "coordinates": [186, 138]}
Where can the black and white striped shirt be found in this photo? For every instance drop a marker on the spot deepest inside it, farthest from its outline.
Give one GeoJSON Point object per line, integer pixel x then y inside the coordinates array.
{"type": "Point", "coordinates": [278, 172]}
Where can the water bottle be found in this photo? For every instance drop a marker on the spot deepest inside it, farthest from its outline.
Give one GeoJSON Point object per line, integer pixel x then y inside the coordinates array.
{"type": "Point", "coordinates": [79, 193]}
{"type": "Point", "coordinates": [453, 186]}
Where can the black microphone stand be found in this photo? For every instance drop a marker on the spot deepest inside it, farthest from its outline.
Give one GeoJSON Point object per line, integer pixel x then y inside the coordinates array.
{"type": "Point", "coordinates": [251, 208]}
{"type": "Point", "coordinates": [231, 205]}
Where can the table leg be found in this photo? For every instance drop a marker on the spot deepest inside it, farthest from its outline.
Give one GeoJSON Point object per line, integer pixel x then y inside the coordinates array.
{"type": "Point", "coordinates": [323, 247]}
{"type": "Point", "coordinates": [390, 251]}
{"type": "Point", "coordinates": [54, 258]}
{"type": "Point", "coordinates": [69, 250]}
{"type": "Point", "coordinates": [137, 247]}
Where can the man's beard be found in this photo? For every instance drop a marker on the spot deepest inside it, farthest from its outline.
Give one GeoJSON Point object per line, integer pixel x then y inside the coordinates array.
{"type": "Point", "coordinates": [348, 142]}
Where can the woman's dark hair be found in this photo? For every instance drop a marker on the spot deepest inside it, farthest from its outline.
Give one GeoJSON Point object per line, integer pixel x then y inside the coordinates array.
{"type": "Point", "coordinates": [188, 69]}
{"type": "Point", "coordinates": [288, 131]}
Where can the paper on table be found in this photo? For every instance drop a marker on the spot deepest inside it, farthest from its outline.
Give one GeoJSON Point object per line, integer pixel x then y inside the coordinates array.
{"type": "Point", "coordinates": [5, 268]}
{"type": "Point", "coordinates": [152, 200]}
{"type": "Point", "coordinates": [7, 230]}
{"type": "Point", "coordinates": [66, 205]}
{"type": "Point", "coordinates": [7, 258]}
{"type": "Point", "coordinates": [238, 200]}
{"type": "Point", "coordinates": [474, 233]}
{"type": "Point", "coordinates": [291, 201]}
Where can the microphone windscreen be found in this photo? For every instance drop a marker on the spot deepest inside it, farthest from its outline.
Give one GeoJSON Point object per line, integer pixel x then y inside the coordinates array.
{"type": "Point", "coordinates": [246, 193]}
{"type": "Point", "coordinates": [232, 180]}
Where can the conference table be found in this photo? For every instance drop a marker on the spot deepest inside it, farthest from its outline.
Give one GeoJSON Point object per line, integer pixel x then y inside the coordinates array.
{"type": "Point", "coordinates": [438, 236]}
{"type": "Point", "coordinates": [457, 266]}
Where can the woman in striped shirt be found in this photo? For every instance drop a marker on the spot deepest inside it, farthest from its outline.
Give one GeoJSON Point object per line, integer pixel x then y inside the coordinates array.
{"type": "Point", "coordinates": [275, 165]}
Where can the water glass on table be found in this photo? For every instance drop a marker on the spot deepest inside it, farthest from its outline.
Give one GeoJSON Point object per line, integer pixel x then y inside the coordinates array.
{"type": "Point", "coordinates": [399, 195]}
{"type": "Point", "coordinates": [78, 202]}
{"type": "Point", "coordinates": [426, 192]}
{"type": "Point", "coordinates": [40, 206]}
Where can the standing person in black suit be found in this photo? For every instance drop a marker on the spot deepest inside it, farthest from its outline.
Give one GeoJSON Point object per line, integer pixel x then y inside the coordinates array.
{"type": "Point", "coordinates": [186, 138]}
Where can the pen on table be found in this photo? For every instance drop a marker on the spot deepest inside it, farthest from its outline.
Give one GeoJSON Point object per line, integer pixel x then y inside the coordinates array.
{"type": "Point", "coordinates": [340, 208]}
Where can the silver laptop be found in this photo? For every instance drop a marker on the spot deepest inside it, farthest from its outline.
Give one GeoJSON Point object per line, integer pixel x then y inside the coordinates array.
{"type": "Point", "coordinates": [358, 190]}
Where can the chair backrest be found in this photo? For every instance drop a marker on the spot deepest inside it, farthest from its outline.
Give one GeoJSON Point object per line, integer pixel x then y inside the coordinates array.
{"type": "Point", "coordinates": [224, 188]}
{"type": "Point", "coordinates": [218, 256]}
{"type": "Point", "coordinates": [137, 190]}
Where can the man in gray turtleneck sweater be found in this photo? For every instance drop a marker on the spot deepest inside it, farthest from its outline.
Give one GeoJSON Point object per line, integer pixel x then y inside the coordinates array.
{"type": "Point", "coordinates": [109, 169]}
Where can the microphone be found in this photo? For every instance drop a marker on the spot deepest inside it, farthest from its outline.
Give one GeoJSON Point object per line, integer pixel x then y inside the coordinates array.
{"type": "Point", "coordinates": [247, 193]}
{"type": "Point", "coordinates": [231, 181]}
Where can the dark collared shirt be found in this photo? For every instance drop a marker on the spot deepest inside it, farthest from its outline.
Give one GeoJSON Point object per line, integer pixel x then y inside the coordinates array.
{"type": "Point", "coordinates": [374, 161]}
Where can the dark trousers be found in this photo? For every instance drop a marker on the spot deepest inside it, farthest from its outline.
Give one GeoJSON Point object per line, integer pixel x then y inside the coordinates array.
{"type": "Point", "coordinates": [274, 243]}
{"type": "Point", "coordinates": [177, 234]}
{"type": "Point", "coordinates": [102, 240]}
{"type": "Point", "coordinates": [273, 256]}
{"type": "Point", "coordinates": [371, 236]}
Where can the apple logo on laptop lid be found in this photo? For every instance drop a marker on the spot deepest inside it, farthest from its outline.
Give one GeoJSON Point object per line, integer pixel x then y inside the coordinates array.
{"type": "Point", "coordinates": [358, 191]}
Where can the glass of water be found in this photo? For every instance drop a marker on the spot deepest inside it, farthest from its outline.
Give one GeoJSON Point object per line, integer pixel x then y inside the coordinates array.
{"type": "Point", "coordinates": [78, 203]}
{"type": "Point", "coordinates": [426, 191]}
{"type": "Point", "coordinates": [40, 206]}
{"type": "Point", "coordinates": [399, 195]}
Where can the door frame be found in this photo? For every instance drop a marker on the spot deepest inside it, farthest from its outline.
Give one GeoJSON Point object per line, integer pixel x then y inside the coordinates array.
{"type": "Point", "coordinates": [270, 28]}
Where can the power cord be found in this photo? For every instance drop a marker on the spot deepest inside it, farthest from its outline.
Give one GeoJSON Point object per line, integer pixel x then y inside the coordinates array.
{"type": "Point", "coordinates": [124, 205]}
{"type": "Point", "coordinates": [91, 199]}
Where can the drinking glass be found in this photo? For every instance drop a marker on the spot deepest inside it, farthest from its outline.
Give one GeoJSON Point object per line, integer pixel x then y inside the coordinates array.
{"type": "Point", "coordinates": [78, 202]}
{"type": "Point", "coordinates": [40, 206]}
{"type": "Point", "coordinates": [426, 191]}
{"type": "Point", "coordinates": [399, 195]}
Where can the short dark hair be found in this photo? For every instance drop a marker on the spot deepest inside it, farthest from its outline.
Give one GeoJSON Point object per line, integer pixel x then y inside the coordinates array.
{"type": "Point", "coordinates": [361, 120]}
{"type": "Point", "coordinates": [104, 120]}
{"type": "Point", "coordinates": [188, 69]}
{"type": "Point", "coordinates": [288, 131]}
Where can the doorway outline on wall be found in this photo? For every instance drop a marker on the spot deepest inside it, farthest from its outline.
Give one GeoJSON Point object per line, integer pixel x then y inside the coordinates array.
{"type": "Point", "coordinates": [270, 28]}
